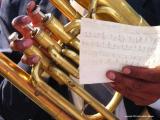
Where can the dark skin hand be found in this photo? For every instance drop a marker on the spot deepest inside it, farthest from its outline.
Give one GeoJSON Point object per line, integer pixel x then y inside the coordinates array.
{"type": "Point", "coordinates": [35, 16]}
{"type": "Point", "coordinates": [20, 45]}
{"type": "Point", "coordinates": [20, 25]}
{"type": "Point", "coordinates": [140, 85]}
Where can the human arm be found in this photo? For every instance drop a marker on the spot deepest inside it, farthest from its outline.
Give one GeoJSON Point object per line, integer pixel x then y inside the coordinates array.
{"type": "Point", "coordinates": [140, 85]}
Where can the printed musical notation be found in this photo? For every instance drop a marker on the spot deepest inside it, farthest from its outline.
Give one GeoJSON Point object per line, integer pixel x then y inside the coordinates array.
{"type": "Point", "coordinates": [110, 46]}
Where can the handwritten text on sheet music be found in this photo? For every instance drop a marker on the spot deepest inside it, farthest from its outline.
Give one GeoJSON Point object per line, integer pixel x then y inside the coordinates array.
{"type": "Point", "coordinates": [106, 46]}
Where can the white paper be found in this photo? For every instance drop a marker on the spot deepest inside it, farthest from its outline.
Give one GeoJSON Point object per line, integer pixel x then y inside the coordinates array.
{"type": "Point", "coordinates": [110, 46]}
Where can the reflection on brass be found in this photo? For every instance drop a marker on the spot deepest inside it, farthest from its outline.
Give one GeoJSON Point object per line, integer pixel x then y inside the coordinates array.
{"type": "Point", "coordinates": [66, 9]}
{"type": "Point", "coordinates": [61, 59]}
{"type": "Point", "coordinates": [58, 29]}
{"type": "Point", "coordinates": [23, 81]}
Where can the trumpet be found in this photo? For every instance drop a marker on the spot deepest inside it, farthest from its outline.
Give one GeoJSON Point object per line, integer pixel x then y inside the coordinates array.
{"type": "Point", "coordinates": [61, 59]}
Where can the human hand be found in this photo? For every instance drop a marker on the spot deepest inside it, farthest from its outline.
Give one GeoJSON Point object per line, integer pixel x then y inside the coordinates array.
{"type": "Point", "coordinates": [22, 45]}
{"type": "Point", "coordinates": [33, 12]}
{"type": "Point", "coordinates": [140, 85]}
{"type": "Point", "coordinates": [19, 23]}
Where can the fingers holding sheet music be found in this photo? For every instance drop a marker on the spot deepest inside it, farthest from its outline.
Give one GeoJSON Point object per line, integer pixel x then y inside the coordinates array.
{"type": "Point", "coordinates": [140, 88]}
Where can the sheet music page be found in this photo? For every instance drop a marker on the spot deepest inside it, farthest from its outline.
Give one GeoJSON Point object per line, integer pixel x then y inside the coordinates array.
{"type": "Point", "coordinates": [110, 46]}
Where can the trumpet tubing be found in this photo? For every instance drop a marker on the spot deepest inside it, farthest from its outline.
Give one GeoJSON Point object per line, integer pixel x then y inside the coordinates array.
{"type": "Point", "coordinates": [66, 9]}
{"type": "Point", "coordinates": [23, 81]}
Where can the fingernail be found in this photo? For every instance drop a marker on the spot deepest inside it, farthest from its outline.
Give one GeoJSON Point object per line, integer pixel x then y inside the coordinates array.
{"type": "Point", "coordinates": [111, 75]}
{"type": "Point", "coordinates": [126, 71]}
{"type": "Point", "coordinates": [35, 59]}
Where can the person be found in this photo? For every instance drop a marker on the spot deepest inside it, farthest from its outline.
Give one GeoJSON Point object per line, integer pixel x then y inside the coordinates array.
{"type": "Point", "coordinates": [26, 115]}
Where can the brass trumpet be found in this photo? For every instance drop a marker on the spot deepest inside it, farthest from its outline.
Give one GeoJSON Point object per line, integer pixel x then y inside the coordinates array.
{"type": "Point", "coordinates": [61, 68]}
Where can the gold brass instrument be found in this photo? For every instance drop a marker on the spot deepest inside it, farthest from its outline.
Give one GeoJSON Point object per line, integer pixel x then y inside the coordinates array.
{"type": "Point", "coordinates": [60, 56]}
{"type": "Point", "coordinates": [23, 81]}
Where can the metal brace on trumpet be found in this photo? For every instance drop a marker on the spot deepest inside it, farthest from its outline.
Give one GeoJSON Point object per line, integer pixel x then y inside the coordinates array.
{"type": "Point", "coordinates": [51, 46]}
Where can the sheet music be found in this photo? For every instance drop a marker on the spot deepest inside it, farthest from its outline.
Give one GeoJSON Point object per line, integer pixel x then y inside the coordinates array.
{"type": "Point", "coordinates": [110, 46]}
